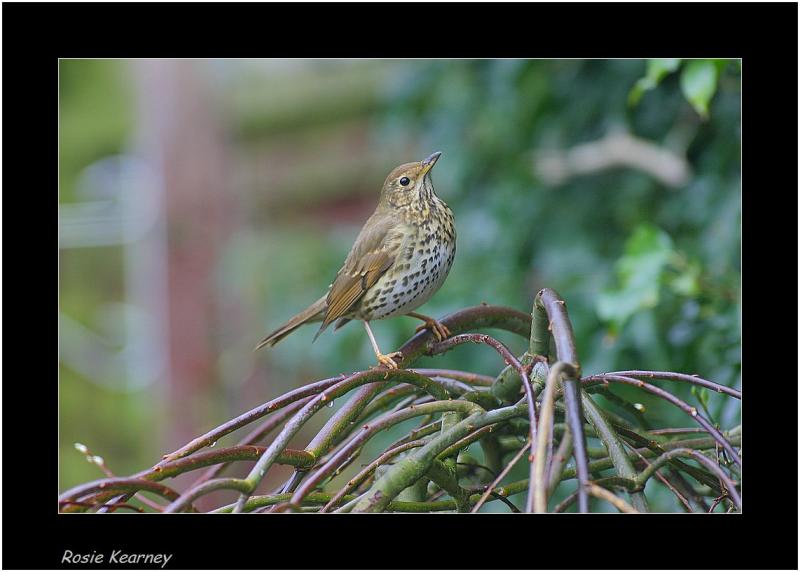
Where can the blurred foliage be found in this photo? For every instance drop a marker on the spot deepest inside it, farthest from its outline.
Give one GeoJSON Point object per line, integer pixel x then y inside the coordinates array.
{"type": "Point", "coordinates": [699, 80]}
{"type": "Point", "coordinates": [96, 117]}
{"type": "Point", "coordinates": [641, 272]}
{"type": "Point", "coordinates": [699, 83]}
{"type": "Point", "coordinates": [657, 69]}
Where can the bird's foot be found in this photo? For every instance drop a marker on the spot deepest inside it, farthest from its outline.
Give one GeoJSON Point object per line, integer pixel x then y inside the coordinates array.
{"type": "Point", "coordinates": [439, 330]}
{"type": "Point", "coordinates": [387, 360]}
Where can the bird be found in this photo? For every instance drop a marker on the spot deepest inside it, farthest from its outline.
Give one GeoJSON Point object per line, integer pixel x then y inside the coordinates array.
{"type": "Point", "coordinates": [401, 257]}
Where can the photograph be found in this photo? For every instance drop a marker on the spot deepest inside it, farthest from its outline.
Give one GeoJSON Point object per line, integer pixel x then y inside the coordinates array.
{"type": "Point", "coordinates": [398, 285]}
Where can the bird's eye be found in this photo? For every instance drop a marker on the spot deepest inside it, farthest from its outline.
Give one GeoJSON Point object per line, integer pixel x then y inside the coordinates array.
{"type": "Point", "coordinates": [405, 181]}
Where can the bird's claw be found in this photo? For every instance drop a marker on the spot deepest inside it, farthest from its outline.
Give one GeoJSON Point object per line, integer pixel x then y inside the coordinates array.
{"type": "Point", "coordinates": [439, 330]}
{"type": "Point", "coordinates": [387, 360]}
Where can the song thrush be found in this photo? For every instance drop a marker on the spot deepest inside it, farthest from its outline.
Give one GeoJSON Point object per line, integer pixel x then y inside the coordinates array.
{"type": "Point", "coordinates": [400, 258]}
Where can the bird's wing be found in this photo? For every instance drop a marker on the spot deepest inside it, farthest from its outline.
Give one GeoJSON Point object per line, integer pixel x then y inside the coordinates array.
{"type": "Point", "coordinates": [373, 253]}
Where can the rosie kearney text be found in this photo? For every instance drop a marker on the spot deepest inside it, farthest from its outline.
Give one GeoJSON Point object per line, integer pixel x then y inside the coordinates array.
{"type": "Point", "coordinates": [114, 557]}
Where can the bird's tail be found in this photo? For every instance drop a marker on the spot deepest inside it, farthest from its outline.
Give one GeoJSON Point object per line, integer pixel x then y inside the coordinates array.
{"type": "Point", "coordinates": [314, 313]}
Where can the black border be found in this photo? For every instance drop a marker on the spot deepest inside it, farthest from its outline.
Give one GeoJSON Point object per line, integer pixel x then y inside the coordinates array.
{"type": "Point", "coordinates": [764, 35]}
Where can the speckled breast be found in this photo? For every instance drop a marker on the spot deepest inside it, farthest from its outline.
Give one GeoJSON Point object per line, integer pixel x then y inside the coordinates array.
{"type": "Point", "coordinates": [419, 270]}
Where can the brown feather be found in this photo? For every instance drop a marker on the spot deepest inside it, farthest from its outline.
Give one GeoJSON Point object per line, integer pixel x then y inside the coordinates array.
{"type": "Point", "coordinates": [340, 322]}
{"type": "Point", "coordinates": [313, 313]}
{"type": "Point", "coordinates": [351, 285]}
{"type": "Point", "coordinates": [373, 253]}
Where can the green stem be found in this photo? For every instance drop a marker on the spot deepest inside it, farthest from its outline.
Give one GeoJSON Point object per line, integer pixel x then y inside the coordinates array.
{"type": "Point", "coordinates": [643, 477]}
{"type": "Point", "coordinates": [550, 308]}
{"type": "Point", "coordinates": [616, 450]}
{"type": "Point", "coordinates": [467, 377]}
{"type": "Point", "coordinates": [338, 422]}
{"type": "Point", "coordinates": [264, 428]}
{"type": "Point", "coordinates": [405, 472]}
{"type": "Point", "coordinates": [607, 463]}
{"type": "Point", "coordinates": [118, 484]}
{"type": "Point", "coordinates": [680, 404]}
{"type": "Point", "coordinates": [191, 463]}
{"type": "Point", "coordinates": [468, 440]}
{"type": "Point", "coordinates": [492, 453]}
{"type": "Point", "coordinates": [490, 489]}
{"type": "Point", "coordinates": [370, 430]}
{"type": "Point", "coordinates": [446, 478]}
{"type": "Point", "coordinates": [675, 376]}
{"type": "Point", "coordinates": [246, 418]}
{"type": "Point", "coordinates": [366, 471]}
{"type": "Point", "coordinates": [507, 385]}
{"type": "Point", "coordinates": [386, 399]}
{"type": "Point", "coordinates": [537, 495]}
{"type": "Point", "coordinates": [559, 461]}
{"type": "Point", "coordinates": [204, 488]}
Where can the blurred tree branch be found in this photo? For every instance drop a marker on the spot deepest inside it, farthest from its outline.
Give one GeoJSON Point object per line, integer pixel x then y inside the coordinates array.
{"type": "Point", "coordinates": [617, 149]}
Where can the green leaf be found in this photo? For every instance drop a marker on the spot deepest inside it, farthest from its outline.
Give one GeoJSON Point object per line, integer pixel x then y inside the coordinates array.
{"type": "Point", "coordinates": [687, 281]}
{"type": "Point", "coordinates": [699, 84]}
{"type": "Point", "coordinates": [657, 69]}
{"type": "Point", "coordinates": [639, 271]}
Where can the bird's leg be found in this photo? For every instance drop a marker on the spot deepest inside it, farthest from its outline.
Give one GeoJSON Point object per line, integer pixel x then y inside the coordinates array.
{"type": "Point", "coordinates": [439, 329]}
{"type": "Point", "coordinates": [386, 360]}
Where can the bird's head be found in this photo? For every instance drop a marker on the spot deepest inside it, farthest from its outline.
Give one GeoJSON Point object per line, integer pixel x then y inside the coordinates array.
{"type": "Point", "coordinates": [409, 182]}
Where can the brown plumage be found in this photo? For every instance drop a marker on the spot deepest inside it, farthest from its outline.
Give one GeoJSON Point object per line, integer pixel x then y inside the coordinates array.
{"type": "Point", "coordinates": [399, 259]}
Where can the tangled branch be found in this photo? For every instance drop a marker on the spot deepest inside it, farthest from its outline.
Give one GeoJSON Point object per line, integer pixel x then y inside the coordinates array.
{"type": "Point", "coordinates": [530, 406]}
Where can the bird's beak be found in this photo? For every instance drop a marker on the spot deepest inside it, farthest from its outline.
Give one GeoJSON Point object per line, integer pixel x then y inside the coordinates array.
{"type": "Point", "coordinates": [428, 163]}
